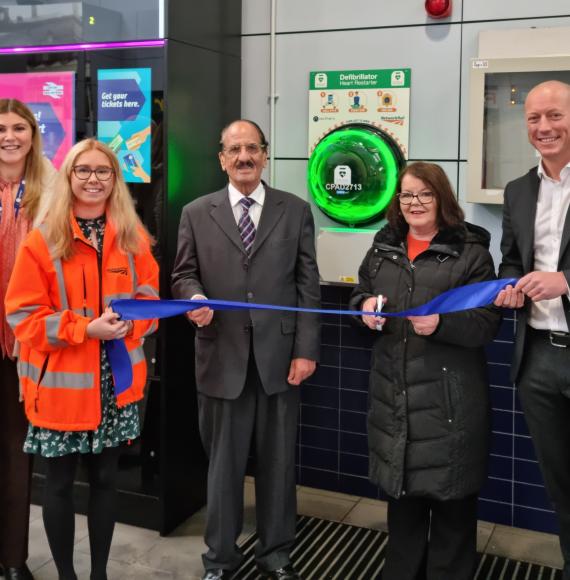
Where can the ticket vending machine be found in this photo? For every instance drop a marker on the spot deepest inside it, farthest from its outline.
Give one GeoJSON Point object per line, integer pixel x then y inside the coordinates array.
{"type": "Point", "coordinates": [185, 70]}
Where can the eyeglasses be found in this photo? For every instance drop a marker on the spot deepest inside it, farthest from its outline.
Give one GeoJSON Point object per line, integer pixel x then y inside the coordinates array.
{"type": "Point", "coordinates": [251, 149]}
{"type": "Point", "coordinates": [84, 173]}
{"type": "Point", "coordinates": [424, 197]}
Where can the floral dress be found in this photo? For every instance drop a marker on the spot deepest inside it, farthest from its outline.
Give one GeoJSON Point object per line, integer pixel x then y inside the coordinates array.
{"type": "Point", "coordinates": [117, 425]}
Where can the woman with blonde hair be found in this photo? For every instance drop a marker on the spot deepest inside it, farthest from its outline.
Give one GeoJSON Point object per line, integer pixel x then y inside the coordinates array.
{"type": "Point", "coordinates": [91, 249]}
{"type": "Point", "coordinates": [26, 178]}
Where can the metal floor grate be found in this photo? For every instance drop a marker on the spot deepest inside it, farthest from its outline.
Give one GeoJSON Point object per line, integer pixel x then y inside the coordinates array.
{"type": "Point", "coordinates": [326, 550]}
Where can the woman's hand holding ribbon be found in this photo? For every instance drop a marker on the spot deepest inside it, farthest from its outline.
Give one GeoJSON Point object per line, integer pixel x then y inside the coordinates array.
{"type": "Point", "coordinates": [424, 325]}
{"type": "Point", "coordinates": [369, 305]}
{"type": "Point", "coordinates": [108, 326]}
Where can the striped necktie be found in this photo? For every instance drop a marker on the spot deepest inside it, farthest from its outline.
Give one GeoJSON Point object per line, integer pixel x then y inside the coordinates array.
{"type": "Point", "coordinates": [246, 226]}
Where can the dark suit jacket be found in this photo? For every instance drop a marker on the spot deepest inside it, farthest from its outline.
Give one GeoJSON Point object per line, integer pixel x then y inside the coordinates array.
{"type": "Point", "coordinates": [517, 246]}
{"type": "Point", "coordinates": [281, 270]}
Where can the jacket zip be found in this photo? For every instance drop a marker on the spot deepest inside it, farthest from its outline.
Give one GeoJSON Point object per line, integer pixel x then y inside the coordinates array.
{"type": "Point", "coordinates": [100, 278]}
{"type": "Point", "coordinates": [100, 275]}
{"type": "Point", "coordinates": [84, 291]}
{"type": "Point", "coordinates": [401, 251]}
{"type": "Point", "coordinates": [404, 359]}
{"type": "Point", "coordinates": [100, 342]}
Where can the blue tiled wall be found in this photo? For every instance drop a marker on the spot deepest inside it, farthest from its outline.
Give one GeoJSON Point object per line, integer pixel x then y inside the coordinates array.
{"type": "Point", "coordinates": [332, 445]}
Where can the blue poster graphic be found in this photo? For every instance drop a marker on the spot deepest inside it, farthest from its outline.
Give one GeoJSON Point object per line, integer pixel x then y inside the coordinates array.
{"type": "Point", "coordinates": [124, 118]}
{"type": "Point", "coordinates": [50, 127]}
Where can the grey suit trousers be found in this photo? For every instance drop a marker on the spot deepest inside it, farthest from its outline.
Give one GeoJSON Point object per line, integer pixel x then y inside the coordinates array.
{"type": "Point", "coordinates": [230, 428]}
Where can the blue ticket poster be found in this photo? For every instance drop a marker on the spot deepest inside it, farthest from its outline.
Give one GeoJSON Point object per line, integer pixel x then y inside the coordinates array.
{"type": "Point", "coordinates": [124, 118]}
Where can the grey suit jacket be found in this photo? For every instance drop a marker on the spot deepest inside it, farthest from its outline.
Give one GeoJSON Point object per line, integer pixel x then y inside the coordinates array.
{"type": "Point", "coordinates": [517, 246]}
{"type": "Point", "coordinates": [281, 270]}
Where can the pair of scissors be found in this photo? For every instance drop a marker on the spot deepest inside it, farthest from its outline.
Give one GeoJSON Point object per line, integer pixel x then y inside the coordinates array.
{"type": "Point", "coordinates": [378, 309]}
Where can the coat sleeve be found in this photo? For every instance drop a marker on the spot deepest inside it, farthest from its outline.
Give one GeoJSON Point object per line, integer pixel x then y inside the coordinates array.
{"type": "Point", "coordinates": [511, 265]}
{"type": "Point", "coordinates": [35, 318]}
{"type": "Point", "coordinates": [364, 288]}
{"type": "Point", "coordinates": [478, 326]}
{"type": "Point", "coordinates": [146, 289]}
{"type": "Point", "coordinates": [307, 334]}
{"type": "Point", "coordinates": [186, 272]}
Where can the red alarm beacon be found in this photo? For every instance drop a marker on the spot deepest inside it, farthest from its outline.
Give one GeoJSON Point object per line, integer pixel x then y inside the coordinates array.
{"type": "Point", "coordinates": [438, 8]}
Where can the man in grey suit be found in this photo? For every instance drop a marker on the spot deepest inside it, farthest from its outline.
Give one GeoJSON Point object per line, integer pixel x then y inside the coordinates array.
{"type": "Point", "coordinates": [536, 249]}
{"type": "Point", "coordinates": [249, 242]}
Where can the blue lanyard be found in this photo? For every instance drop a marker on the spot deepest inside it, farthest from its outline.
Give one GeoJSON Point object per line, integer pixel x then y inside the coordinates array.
{"type": "Point", "coordinates": [17, 201]}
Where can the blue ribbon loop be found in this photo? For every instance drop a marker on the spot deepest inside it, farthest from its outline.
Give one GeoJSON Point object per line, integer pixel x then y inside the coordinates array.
{"type": "Point", "coordinates": [454, 300]}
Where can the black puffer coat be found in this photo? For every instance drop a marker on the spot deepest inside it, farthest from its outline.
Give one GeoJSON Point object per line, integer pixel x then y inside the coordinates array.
{"type": "Point", "coordinates": [429, 413]}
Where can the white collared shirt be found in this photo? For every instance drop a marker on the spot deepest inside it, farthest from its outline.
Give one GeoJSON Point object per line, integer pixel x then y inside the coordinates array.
{"type": "Point", "coordinates": [551, 210]}
{"type": "Point", "coordinates": [258, 195]}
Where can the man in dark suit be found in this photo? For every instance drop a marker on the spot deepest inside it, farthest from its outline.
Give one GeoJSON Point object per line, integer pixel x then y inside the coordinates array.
{"type": "Point", "coordinates": [535, 246]}
{"type": "Point", "coordinates": [249, 242]}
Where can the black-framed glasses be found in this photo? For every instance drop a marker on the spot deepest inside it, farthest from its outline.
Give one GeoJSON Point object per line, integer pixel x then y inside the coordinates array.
{"type": "Point", "coordinates": [250, 148]}
{"type": "Point", "coordinates": [424, 197]}
{"type": "Point", "coordinates": [84, 173]}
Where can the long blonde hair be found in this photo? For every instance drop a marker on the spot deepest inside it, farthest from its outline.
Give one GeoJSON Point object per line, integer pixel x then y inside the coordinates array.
{"type": "Point", "coordinates": [34, 172]}
{"type": "Point", "coordinates": [120, 207]}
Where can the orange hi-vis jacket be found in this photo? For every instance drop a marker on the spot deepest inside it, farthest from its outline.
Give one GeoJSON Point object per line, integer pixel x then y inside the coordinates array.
{"type": "Point", "coordinates": [49, 304]}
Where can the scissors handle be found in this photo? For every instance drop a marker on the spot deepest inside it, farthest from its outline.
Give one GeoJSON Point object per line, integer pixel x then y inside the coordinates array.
{"type": "Point", "coordinates": [379, 306]}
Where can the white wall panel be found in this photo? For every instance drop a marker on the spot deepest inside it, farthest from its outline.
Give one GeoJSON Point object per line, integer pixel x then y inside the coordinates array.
{"type": "Point", "coordinates": [296, 15]}
{"type": "Point", "coordinates": [470, 50]}
{"type": "Point", "coordinates": [485, 215]}
{"type": "Point", "coordinates": [291, 175]}
{"type": "Point", "coordinates": [512, 9]}
{"type": "Point", "coordinates": [256, 16]}
{"type": "Point", "coordinates": [432, 53]}
{"type": "Point", "coordinates": [255, 81]}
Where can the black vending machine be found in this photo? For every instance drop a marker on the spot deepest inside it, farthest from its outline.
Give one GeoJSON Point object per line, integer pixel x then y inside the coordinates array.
{"type": "Point", "coordinates": [156, 80]}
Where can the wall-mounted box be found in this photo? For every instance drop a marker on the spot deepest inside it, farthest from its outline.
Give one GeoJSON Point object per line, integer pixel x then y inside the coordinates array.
{"type": "Point", "coordinates": [499, 150]}
{"type": "Point", "coordinates": [340, 252]}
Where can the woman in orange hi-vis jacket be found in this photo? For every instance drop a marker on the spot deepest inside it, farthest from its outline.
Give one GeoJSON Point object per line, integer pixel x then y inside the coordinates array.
{"type": "Point", "coordinates": [91, 249]}
{"type": "Point", "coordinates": [26, 185]}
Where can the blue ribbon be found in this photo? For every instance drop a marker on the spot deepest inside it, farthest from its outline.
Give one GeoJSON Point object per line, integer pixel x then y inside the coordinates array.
{"type": "Point", "coordinates": [454, 300]}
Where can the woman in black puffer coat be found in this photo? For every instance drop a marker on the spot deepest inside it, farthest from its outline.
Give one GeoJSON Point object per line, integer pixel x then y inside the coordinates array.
{"type": "Point", "coordinates": [429, 413]}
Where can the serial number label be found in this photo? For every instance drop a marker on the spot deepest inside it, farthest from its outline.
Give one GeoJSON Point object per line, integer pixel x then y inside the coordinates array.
{"type": "Point", "coordinates": [348, 187]}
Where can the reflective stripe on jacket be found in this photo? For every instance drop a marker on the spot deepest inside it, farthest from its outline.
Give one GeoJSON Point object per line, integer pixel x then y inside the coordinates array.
{"type": "Point", "coordinates": [49, 304]}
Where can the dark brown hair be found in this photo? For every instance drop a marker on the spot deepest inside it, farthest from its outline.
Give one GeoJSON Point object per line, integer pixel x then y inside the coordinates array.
{"type": "Point", "coordinates": [449, 213]}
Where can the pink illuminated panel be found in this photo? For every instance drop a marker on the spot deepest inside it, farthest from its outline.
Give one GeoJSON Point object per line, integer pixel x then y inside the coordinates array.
{"type": "Point", "coordinates": [82, 46]}
{"type": "Point", "coordinates": [51, 97]}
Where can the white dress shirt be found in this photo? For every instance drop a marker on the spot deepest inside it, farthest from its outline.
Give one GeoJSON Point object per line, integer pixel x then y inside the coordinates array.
{"type": "Point", "coordinates": [551, 210]}
{"type": "Point", "coordinates": [258, 195]}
